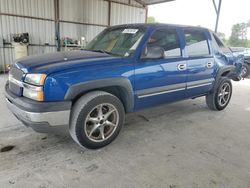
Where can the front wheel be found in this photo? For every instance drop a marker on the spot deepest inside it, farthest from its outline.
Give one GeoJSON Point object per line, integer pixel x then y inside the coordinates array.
{"type": "Point", "coordinates": [96, 119]}
{"type": "Point", "coordinates": [221, 95]}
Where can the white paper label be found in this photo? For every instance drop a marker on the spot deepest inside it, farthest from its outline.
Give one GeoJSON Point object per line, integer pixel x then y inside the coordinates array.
{"type": "Point", "coordinates": [130, 31]}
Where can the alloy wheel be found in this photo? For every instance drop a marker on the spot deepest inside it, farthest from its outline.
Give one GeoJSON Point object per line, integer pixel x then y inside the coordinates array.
{"type": "Point", "coordinates": [224, 94]}
{"type": "Point", "coordinates": [101, 122]}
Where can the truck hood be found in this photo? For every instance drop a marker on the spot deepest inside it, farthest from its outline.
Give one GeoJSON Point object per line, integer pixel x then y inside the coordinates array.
{"type": "Point", "coordinates": [52, 62]}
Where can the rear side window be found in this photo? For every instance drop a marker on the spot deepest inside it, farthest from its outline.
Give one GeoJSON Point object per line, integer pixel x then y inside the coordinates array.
{"type": "Point", "coordinates": [218, 41]}
{"type": "Point", "coordinates": [196, 43]}
{"type": "Point", "coordinates": [222, 48]}
{"type": "Point", "coordinates": [168, 40]}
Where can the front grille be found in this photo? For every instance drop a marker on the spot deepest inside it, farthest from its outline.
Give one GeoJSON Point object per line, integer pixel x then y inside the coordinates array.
{"type": "Point", "coordinates": [16, 74]}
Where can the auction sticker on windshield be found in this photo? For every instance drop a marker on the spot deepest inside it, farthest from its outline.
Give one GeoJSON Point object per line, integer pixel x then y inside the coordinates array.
{"type": "Point", "coordinates": [130, 31]}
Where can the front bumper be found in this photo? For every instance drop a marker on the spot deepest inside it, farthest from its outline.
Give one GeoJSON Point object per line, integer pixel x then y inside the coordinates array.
{"type": "Point", "coordinates": [41, 116]}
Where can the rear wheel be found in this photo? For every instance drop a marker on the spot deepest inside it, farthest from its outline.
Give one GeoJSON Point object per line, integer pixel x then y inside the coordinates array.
{"type": "Point", "coordinates": [220, 97]}
{"type": "Point", "coordinates": [96, 119]}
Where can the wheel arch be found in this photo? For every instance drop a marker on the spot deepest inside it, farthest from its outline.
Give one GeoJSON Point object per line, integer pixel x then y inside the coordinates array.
{"type": "Point", "coordinates": [228, 71]}
{"type": "Point", "coordinates": [120, 87]}
{"type": "Point", "coordinates": [225, 71]}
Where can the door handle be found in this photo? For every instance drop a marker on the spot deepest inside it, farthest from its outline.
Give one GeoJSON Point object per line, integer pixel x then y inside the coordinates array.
{"type": "Point", "coordinates": [210, 65]}
{"type": "Point", "coordinates": [182, 67]}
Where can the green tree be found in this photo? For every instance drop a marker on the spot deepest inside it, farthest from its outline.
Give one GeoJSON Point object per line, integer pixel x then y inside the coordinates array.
{"type": "Point", "coordinates": [151, 19]}
{"type": "Point", "coordinates": [239, 35]}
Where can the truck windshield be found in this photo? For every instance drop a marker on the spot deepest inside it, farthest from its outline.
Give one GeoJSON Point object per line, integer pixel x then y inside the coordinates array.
{"type": "Point", "coordinates": [117, 41]}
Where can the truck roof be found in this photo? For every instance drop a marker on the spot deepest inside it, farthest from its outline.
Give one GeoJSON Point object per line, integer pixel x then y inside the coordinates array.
{"type": "Point", "coordinates": [160, 25]}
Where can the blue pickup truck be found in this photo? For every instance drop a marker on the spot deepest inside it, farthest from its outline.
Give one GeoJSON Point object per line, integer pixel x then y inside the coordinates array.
{"type": "Point", "coordinates": [124, 69]}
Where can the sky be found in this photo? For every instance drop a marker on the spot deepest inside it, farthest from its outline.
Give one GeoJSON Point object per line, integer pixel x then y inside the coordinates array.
{"type": "Point", "coordinates": [202, 13]}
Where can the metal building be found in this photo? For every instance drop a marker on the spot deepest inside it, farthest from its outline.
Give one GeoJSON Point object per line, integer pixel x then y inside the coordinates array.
{"type": "Point", "coordinates": [48, 21]}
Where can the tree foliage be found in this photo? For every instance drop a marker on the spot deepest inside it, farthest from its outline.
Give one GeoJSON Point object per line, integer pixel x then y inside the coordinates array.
{"type": "Point", "coordinates": [151, 19]}
{"type": "Point", "coordinates": [239, 35]}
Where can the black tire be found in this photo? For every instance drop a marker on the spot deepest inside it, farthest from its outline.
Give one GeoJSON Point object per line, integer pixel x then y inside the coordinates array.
{"type": "Point", "coordinates": [213, 99]}
{"type": "Point", "coordinates": [246, 70]}
{"type": "Point", "coordinates": [83, 108]}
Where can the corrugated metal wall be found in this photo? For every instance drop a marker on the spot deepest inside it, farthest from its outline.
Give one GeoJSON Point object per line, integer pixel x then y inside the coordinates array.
{"type": "Point", "coordinates": [35, 8]}
{"type": "Point", "coordinates": [126, 14]}
{"type": "Point", "coordinates": [96, 12]}
{"type": "Point", "coordinates": [76, 31]}
{"type": "Point", "coordinates": [40, 31]}
{"type": "Point", "coordinates": [85, 11]}
{"type": "Point", "coordinates": [77, 18]}
{"type": "Point", "coordinates": [132, 2]}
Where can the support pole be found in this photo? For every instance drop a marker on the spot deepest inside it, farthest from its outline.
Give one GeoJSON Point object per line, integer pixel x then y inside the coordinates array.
{"type": "Point", "coordinates": [109, 13]}
{"type": "Point", "coordinates": [146, 14]}
{"type": "Point", "coordinates": [57, 25]}
{"type": "Point", "coordinates": [215, 7]}
{"type": "Point", "coordinates": [217, 10]}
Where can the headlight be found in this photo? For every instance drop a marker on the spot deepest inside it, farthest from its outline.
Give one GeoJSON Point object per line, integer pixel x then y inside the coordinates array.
{"type": "Point", "coordinates": [33, 86]}
{"type": "Point", "coordinates": [35, 79]}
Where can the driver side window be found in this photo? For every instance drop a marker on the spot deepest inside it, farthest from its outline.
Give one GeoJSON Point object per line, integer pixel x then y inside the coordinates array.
{"type": "Point", "coordinates": [165, 40]}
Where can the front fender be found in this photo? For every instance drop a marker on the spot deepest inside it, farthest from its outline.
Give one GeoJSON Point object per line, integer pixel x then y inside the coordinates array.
{"type": "Point", "coordinates": [122, 83]}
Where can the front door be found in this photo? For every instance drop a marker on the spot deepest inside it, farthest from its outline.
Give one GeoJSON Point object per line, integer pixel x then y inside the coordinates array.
{"type": "Point", "coordinates": [160, 74]}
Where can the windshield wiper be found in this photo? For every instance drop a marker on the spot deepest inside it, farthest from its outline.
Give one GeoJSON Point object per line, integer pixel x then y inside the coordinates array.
{"type": "Point", "coordinates": [103, 51]}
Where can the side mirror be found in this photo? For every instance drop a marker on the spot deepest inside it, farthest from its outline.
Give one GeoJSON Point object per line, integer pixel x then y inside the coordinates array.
{"type": "Point", "coordinates": [153, 53]}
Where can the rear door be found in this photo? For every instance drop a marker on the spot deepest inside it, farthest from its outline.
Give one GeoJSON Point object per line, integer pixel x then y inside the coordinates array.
{"type": "Point", "coordinates": [200, 62]}
{"type": "Point", "coordinates": [161, 80]}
